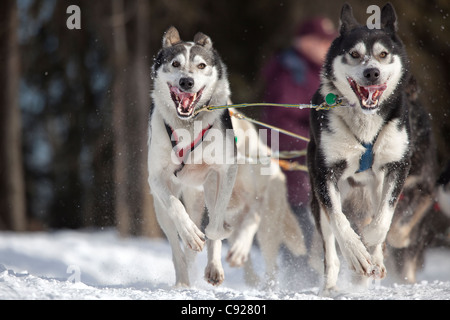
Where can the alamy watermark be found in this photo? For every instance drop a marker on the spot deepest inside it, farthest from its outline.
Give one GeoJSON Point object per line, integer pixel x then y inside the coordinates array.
{"type": "Point", "coordinates": [374, 21]}
{"type": "Point", "coordinates": [74, 20]}
{"type": "Point", "coordinates": [75, 273]}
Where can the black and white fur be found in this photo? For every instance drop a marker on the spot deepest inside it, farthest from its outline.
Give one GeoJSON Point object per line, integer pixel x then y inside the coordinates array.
{"type": "Point", "coordinates": [241, 202]}
{"type": "Point", "coordinates": [414, 219]}
{"type": "Point", "coordinates": [189, 67]}
{"type": "Point", "coordinates": [351, 205]}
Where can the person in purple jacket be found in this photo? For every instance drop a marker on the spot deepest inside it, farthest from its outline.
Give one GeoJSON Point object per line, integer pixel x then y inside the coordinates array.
{"type": "Point", "coordinates": [293, 76]}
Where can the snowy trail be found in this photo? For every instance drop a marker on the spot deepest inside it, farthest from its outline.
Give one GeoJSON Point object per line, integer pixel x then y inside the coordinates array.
{"type": "Point", "coordinates": [89, 265]}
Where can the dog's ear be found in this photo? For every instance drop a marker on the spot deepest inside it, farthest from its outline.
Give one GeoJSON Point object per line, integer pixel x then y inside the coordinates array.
{"type": "Point", "coordinates": [347, 21]}
{"type": "Point", "coordinates": [171, 37]}
{"type": "Point", "coordinates": [389, 18]}
{"type": "Point", "coordinates": [203, 40]}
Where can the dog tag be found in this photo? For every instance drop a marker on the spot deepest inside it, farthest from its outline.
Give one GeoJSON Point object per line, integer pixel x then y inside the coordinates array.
{"type": "Point", "coordinates": [330, 99]}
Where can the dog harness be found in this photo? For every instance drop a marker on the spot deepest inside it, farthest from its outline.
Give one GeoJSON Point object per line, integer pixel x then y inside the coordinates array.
{"type": "Point", "coordinates": [183, 153]}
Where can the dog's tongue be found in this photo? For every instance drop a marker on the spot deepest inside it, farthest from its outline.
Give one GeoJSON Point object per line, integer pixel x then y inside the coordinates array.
{"type": "Point", "coordinates": [372, 93]}
{"type": "Point", "coordinates": [186, 99]}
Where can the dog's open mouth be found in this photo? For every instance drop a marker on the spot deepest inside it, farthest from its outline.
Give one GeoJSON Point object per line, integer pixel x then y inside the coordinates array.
{"type": "Point", "coordinates": [369, 96]}
{"type": "Point", "coordinates": [185, 102]}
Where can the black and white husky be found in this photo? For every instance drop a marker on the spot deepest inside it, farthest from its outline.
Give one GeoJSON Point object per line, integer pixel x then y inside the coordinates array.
{"type": "Point", "coordinates": [364, 157]}
{"type": "Point", "coordinates": [193, 163]}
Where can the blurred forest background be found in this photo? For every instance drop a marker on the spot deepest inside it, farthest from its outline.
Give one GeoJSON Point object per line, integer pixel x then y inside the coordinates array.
{"type": "Point", "coordinates": [75, 103]}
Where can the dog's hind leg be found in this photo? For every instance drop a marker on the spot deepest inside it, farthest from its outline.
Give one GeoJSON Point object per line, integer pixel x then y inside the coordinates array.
{"type": "Point", "coordinates": [292, 233]}
{"type": "Point", "coordinates": [331, 259]}
{"type": "Point", "coordinates": [250, 276]}
{"type": "Point", "coordinates": [399, 234]}
{"type": "Point", "coordinates": [270, 238]}
{"type": "Point", "coordinates": [242, 238]}
{"type": "Point", "coordinates": [409, 259]}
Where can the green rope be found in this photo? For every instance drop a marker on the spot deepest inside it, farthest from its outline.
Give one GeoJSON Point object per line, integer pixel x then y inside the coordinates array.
{"type": "Point", "coordinates": [331, 101]}
{"type": "Point", "coordinates": [240, 116]}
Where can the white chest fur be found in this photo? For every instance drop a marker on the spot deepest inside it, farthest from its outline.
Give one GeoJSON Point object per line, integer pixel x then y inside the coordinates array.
{"type": "Point", "coordinates": [362, 191]}
{"type": "Point", "coordinates": [347, 133]}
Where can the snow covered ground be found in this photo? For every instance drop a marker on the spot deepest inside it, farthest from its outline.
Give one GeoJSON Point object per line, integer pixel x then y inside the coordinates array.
{"type": "Point", "coordinates": [100, 265]}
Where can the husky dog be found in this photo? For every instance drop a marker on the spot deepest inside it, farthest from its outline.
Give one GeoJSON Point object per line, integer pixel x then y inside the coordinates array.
{"type": "Point", "coordinates": [192, 164]}
{"type": "Point", "coordinates": [187, 75]}
{"type": "Point", "coordinates": [361, 157]}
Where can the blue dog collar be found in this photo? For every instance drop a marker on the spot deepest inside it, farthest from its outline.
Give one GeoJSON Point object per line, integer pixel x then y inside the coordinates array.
{"type": "Point", "coordinates": [366, 160]}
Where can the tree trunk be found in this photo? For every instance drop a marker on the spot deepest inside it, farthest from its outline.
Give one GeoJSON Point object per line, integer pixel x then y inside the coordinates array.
{"type": "Point", "coordinates": [119, 118]}
{"type": "Point", "coordinates": [12, 189]}
{"type": "Point", "coordinates": [131, 103]}
{"type": "Point", "coordinates": [145, 213]}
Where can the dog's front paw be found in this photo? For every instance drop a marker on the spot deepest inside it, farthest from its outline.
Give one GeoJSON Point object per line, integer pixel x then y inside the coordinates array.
{"type": "Point", "coordinates": [378, 268]}
{"type": "Point", "coordinates": [192, 237]}
{"type": "Point", "coordinates": [214, 273]}
{"type": "Point", "coordinates": [357, 257]}
{"type": "Point", "coordinates": [378, 271]}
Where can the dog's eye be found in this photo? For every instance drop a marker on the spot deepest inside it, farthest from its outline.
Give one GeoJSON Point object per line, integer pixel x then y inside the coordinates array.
{"type": "Point", "coordinates": [383, 55]}
{"type": "Point", "coordinates": [355, 55]}
{"type": "Point", "coordinates": [175, 64]}
{"type": "Point", "coordinates": [201, 66]}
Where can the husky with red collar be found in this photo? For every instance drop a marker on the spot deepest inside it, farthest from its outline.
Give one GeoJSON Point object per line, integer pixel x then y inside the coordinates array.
{"type": "Point", "coordinates": [193, 163]}
{"type": "Point", "coordinates": [363, 156]}
{"type": "Point", "coordinates": [187, 75]}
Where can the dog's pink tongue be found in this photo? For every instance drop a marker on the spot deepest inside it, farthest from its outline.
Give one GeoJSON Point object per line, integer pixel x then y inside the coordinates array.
{"type": "Point", "coordinates": [185, 99]}
{"type": "Point", "coordinates": [374, 92]}
{"type": "Point", "coordinates": [372, 95]}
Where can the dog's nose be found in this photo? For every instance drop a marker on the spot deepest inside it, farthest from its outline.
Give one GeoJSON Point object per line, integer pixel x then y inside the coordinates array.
{"type": "Point", "coordinates": [186, 83]}
{"type": "Point", "coordinates": [372, 74]}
